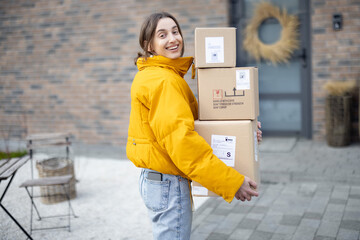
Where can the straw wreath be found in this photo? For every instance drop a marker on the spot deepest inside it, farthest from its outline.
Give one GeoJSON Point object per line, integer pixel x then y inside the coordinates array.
{"type": "Point", "coordinates": [280, 51]}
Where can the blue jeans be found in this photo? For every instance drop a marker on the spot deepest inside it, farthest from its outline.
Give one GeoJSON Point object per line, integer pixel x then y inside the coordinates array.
{"type": "Point", "coordinates": [169, 205]}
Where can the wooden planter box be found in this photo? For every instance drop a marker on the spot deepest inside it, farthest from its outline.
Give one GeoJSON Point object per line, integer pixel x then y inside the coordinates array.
{"type": "Point", "coordinates": [338, 120]}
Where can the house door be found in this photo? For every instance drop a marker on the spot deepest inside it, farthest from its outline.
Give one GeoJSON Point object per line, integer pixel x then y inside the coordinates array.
{"type": "Point", "coordinates": [285, 88]}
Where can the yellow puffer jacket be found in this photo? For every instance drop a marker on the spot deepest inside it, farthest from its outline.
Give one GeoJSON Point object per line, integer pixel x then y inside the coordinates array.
{"type": "Point", "coordinates": [161, 132]}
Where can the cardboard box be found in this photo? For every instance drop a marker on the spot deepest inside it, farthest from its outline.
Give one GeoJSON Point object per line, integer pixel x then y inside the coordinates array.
{"type": "Point", "coordinates": [215, 47]}
{"type": "Point", "coordinates": [228, 93]}
{"type": "Point", "coordinates": [235, 143]}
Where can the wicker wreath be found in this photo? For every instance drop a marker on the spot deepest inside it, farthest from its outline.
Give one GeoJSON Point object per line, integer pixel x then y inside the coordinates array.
{"type": "Point", "coordinates": [280, 51]}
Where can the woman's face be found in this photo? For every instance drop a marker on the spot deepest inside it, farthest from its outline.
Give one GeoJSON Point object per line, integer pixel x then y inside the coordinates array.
{"type": "Point", "coordinates": [167, 40]}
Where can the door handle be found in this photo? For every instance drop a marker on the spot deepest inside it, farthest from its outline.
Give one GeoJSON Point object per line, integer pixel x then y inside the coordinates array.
{"type": "Point", "coordinates": [303, 58]}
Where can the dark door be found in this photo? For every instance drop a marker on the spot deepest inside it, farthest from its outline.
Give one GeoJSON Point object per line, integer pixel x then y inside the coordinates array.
{"type": "Point", "coordinates": [284, 89]}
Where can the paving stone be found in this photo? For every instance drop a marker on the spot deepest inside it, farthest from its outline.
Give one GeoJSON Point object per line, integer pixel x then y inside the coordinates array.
{"type": "Point", "coordinates": [289, 205]}
{"type": "Point", "coordinates": [258, 235]}
{"type": "Point", "coordinates": [199, 217]}
{"type": "Point", "coordinates": [353, 215]}
{"type": "Point", "coordinates": [272, 217]}
{"type": "Point", "coordinates": [355, 190]}
{"type": "Point", "coordinates": [307, 189]}
{"type": "Point", "coordinates": [346, 234]}
{"type": "Point", "coordinates": [318, 205]}
{"type": "Point", "coordinates": [328, 228]}
{"type": "Point", "coordinates": [337, 201]}
{"type": "Point", "coordinates": [323, 195]}
{"type": "Point", "coordinates": [267, 199]}
{"type": "Point", "coordinates": [217, 236]}
{"type": "Point", "coordinates": [242, 209]}
{"type": "Point", "coordinates": [275, 189]}
{"type": "Point", "coordinates": [260, 209]}
{"type": "Point", "coordinates": [309, 223]}
{"type": "Point", "coordinates": [255, 216]}
{"type": "Point", "coordinates": [312, 215]}
{"type": "Point", "coordinates": [206, 227]}
{"type": "Point", "coordinates": [212, 218]}
{"type": "Point", "coordinates": [205, 209]}
{"type": "Point", "coordinates": [228, 225]}
{"type": "Point", "coordinates": [223, 205]}
{"type": "Point", "coordinates": [221, 211]}
{"type": "Point", "coordinates": [249, 223]}
{"type": "Point", "coordinates": [301, 202]}
{"type": "Point", "coordinates": [284, 229]}
{"type": "Point", "coordinates": [354, 196]}
{"type": "Point", "coordinates": [291, 189]}
{"type": "Point", "coordinates": [241, 234]}
{"type": "Point", "coordinates": [267, 227]}
{"type": "Point", "coordinates": [291, 220]}
{"type": "Point", "coordinates": [323, 238]}
{"type": "Point", "coordinates": [332, 216]}
{"type": "Point", "coordinates": [247, 203]}
{"type": "Point", "coordinates": [335, 207]}
{"type": "Point", "coordinates": [199, 236]}
{"type": "Point", "coordinates": [304, 234]}
{"type": "Point", "coordinates": [279, 236]}
{"type": "Point", "coordinates": [324, 189]}
{"type": "Point", "coordinates": [353, 204]}
{"type": "Point", "coordinates": [340, 192]}
{"type": "Point", "coordinates": [350, 224]}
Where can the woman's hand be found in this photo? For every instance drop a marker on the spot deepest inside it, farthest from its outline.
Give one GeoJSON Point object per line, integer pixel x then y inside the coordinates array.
{"type": "Point", "coordinates": [247, 190]}
{"type": "Point", "coordinates": [259, 132]}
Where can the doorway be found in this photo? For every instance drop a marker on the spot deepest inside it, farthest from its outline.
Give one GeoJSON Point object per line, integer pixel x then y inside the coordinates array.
{"type": "Point", "coordinates": [284, 88]}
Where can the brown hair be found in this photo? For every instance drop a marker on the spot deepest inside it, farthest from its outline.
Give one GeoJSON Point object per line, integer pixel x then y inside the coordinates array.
{"type": "Point", "coordinates": [147, 33]}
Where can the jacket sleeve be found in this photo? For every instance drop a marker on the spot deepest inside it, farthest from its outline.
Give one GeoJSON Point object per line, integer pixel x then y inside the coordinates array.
{"type": "Point", "coordinates": [172, 122]}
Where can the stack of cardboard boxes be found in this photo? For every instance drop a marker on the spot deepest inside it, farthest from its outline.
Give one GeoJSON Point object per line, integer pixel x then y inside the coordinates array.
{"type": "Point", "coordinates": [228, 103]}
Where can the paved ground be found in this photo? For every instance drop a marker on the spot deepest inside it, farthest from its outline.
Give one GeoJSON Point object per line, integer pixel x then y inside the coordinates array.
{"type": "Point", "coordinates": [308, 191]}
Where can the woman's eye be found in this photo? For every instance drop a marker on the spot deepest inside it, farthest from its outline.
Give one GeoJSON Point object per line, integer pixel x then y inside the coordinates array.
{"type": "Point", "coordinates": [162, 35]}
{"type": "Point", "coordinates": [176, 32]}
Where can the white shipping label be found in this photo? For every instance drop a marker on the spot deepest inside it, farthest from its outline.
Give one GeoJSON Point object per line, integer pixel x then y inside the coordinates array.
{"type": "Point", "coordinates": [197, 190]}
{"type": "Point", "coordinates": [243, 79]}
{"type": "Point", "coordinates": [214, 49]}
{"type": "Point", "coordinates": [255, 146]}
{"type": "Point", "coordinates": [224, 148]}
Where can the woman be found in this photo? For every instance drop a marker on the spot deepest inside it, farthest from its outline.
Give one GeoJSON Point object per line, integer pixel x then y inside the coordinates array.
{"type": "Point", "coordinates": [161, 136]}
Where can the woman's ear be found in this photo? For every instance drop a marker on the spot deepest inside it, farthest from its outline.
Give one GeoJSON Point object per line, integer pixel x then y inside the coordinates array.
{"type": "Point", "coordinates": [148, 46]}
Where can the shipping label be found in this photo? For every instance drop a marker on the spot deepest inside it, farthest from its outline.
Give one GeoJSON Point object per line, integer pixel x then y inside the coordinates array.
{"type": "Point", "coordinates": [243, 79]}
{"type": "Point", "coordinates": [214, 49]}
{"type": "Point", "coordinates": [224, 148]}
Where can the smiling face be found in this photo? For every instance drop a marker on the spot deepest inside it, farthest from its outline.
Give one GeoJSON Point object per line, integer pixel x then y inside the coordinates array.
{"type": "Point", "coordinates": [167, 41]}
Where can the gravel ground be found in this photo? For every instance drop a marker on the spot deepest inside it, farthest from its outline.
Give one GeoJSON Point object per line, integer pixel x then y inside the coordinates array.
{"type": "Point", "coordinates": [108, 204]}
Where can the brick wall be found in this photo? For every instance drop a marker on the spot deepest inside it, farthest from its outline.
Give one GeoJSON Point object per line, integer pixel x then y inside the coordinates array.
{"type": "Point", "coordinates": [335, 56]}
{"type": "Point", "coordinates": [68, 65]}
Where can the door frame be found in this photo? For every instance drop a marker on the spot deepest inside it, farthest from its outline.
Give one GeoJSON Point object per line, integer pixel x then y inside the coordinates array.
{"type": "Point", "coordinates": [236, 11]}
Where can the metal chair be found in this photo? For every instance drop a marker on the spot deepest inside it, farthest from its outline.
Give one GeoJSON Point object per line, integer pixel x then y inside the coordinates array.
{"type": "Point", "coordinates": [63, 182]}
